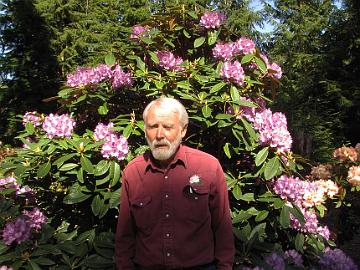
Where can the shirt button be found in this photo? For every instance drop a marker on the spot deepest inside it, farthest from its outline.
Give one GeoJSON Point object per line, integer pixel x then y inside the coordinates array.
{"type": "Point", "coordinates": [166, 196]}
{"type": "Point", "coordinates": [166, 177]}
{"type": "Point", "coordinates": [168, 254]}
{"type": "Point", "coordinates": [167, 215]}
{"type": "Point", "coordinates": [141, 204]}
{"type": "Point", "coordinates": [168, 235]}
{"type": "Point", "coordinates": [196, 198]}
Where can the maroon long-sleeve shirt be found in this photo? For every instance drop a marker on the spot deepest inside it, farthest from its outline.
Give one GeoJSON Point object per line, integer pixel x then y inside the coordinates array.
{"type": "Point", "coordinates": [175, 217]}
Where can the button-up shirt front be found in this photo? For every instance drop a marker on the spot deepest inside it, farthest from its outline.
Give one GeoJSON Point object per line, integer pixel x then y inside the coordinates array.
{"type": "Point", "coordinates": [174, 217]}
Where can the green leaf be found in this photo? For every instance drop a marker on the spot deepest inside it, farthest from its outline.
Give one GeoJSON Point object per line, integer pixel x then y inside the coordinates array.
{"type": "Point", "coordinates": [299, 241]}
{"type": "Point", "coordinates": [101, 168]}
{"type": "Point", "coordinates": [261, 64]}
{"type": "Point", "coordinates": [29, 127]}
{"type": "Point", "coordinates": [261, 156]}
{"type": "Point", "coordinates": [261, 215]}
{"type": "Point", "coordinates": [43, 170]}
{"type": "Point", "coordinates": [248, 197]}
{"type": "Point", "coordinates": [217, 87]}
{"type": "Point", "coordinates": [250, 130]}
{"type": "Point", "coordinates": [86, 164]}
{"type": "Point", "coordinates": [140, 64]}
{"type": "Point", "coordinates": [186, 34]}
{"type": "Point", "coordinates": [115, 172]}
{"type": "Point", "coordinates": [247, 58]}
{"type": "Point", "coordinates": [33, 265]}
{"type": "Point", "coordinates": [99, 208]}
{"type": "Point", "coordinates": [80, 175]}
{"type": "Point", "coordinates": [227, 150]}
{"type": "Point", "coordinates": [110, 59]}
{"type": "Point", "coordinates": [75, 197]}
{"type": "Point", "coordinates": [68, 166]}
{"type": "Point", "coordinates": [212, 37]}
{"type": "Point", "coordinates": [103, 109]}
{"type": "Point", "coordinates": [206, 111]}
{"type": "Point", "coordinates": [43, 261]}
{"type": "Point", "coordinates": [199, 41]}
{"type": "Point", "coordinates": [285, 217]}
{"type": "Point", "coordinates": [115, 198]}
{"type": "Point", "coordinates": [271, 168]}
{"type": "Point", "coordinates": [236, 191]}
{"type": "Point", "coordinates": [154, 57]}
{"type": "Point", "coordinates": [60, 161]}
{"type": "Point", "coordinates": [234, 93]}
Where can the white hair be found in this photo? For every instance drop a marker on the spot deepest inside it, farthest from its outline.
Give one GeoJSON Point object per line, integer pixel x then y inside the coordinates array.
{"type": "Point", "coordinates": [170, 104]}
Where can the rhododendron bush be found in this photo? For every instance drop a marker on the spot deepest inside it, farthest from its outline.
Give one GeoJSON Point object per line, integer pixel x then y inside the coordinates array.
{"type": "Point", "coordinates": [72, 159]}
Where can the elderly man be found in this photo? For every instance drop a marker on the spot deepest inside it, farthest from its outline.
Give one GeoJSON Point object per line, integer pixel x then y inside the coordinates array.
{"type": "Point", "coordinates": [174, 211]}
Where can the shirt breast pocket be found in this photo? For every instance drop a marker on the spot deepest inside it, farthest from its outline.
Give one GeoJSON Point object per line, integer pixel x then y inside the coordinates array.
{"type": "Point", "coordinates": [196, 202]}
{"type": "Point", "coordinates": [141, 211]}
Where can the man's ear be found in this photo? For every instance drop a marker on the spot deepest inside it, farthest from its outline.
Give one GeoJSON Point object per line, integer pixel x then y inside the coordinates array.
{"type": "Point", "coordinates": [183, 131]}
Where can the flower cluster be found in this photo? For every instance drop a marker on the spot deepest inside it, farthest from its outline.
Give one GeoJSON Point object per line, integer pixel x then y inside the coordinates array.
{"type": "Point", "coordinates": [121, 78]}
{"type": "Point", "coordinates": [335, 259]}
{"type": "Point", "coordinates": [103, 131]}
{"type": "Point", "coordinates": [32, 117]}
{"type": "Point", "coordinates": [4, 267]}
{"type": "Point", "coordinates": [137, 31]}
{"type": "Point", "coordinates": [36, 218]}
{"type": "Point", "coordinates": [274, 70]}
{"type": "Point", "coordinates": [346, 154]}
{"type": "Point", "coordinates": [212, 19]}
{"type": "Point", "coordinates": [58, 125]}
{"type": "Point", "coordinates": [19, 230]}
{"type": "Point", "coordinates": [228, 50]}
{"type": "Point", "coordinates": [304, 194]}
{"type": "Point", "coordinates": [354, 175]}
{"type": "Point", "coordinates": [114, 145]}
{"type": "Point", "coordinates": [169, 61]}
{"type": "Point", "coordinates": [273, 130]}
{"type": "Point", "coordinates": [10, 182]}
{"type": "Point", "coordinates": [293, 257]}
{"type": "Point", "coordinates": [323, 171]}
{"type": "Point", "coordinates": [92, 76]}
{"type": "Point", "coordinates": [276, 261]}
{"type": "Point", "coordinates": [233, 72]}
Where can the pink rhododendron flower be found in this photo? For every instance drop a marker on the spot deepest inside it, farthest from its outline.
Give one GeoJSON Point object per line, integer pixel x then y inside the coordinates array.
{"type": "Point", "coordinates": [16, 231]}
{"type": "Point", "coordinates": [32, 117]}
{"type": "Point", "coordinates": [273, 130]}
{"type": "Point", "coordinates": [223, 51]}
{"type": "Point", "coordinates": [103, 131]}
{"type": "Point", "coordinates": [244, 46]}
{"type": "Point", "coordinates": [115, 146]}
{"type": "Point", "coordinates": [169, 61]}
{"type": "Point", "coordinates": [84, 76]}
{"type": "Point", "coordinates": [121, 78]}
{"type": "Point", "coordinates": [233, 72]}
{"type": "Point", "coordinates": [10, 182]}
{"type": "Point", "coordinates": [58, 125]}
{"type": "Point", "coordinates": [4, 267]}
{"type": "Point", "coordinates": [137, 31]}
{"type": "Point", "coordinates": [354, 175]}
{"type": "Point", "coordinates": [275, 72]}
{"type": "Point", "coordinates": [212, 19]}
{"type": "Point", "coordinates": [36, 218]}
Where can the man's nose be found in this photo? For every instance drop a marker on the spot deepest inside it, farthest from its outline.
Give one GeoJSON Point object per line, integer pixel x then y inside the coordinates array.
{"type": "Point", "coordinates": [160, 133]}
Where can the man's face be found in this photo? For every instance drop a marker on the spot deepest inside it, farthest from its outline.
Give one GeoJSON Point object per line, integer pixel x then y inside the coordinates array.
{"type": "Point", "coordinates": [163, 132]}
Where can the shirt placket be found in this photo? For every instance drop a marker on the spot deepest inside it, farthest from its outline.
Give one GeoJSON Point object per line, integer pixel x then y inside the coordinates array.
{"type": "Point", "coordinates": [167, 220]}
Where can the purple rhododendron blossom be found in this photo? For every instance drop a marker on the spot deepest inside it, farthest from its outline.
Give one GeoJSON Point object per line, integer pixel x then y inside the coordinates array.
{"type": "Point", "coordinates": [36, 218]}
{"type": "Point", "coordinates": [212, 19]}
{"type": "Point", "coordinates": [103, 131]}
{"type": "Point", "coordinates": [32, 117]}
{"type": "Point", "coordinates": [244, 46]}
{"type": "Point", "coordinates": [137, 31]}
{"type": "Point", "coordinates": [273, 130]}
{"type": "Point", "coordinates": [58, 125]}
{"type": "Point", "coordinates": [276, 261]}
{"type": "Point", "coordinates": [233, 72]}
{"type": "Point", "coordinates": [17, 231]}
{"type": "Point", "coordinates": [121, 78]}
{"type": "Point", "coordinates": [84, 76]}
{"type": "Point", "coordinates": [10, 182]}
{"type": "Point", "coordinates": [115, 146]}
{"type": "Point", "coordinates": [276, 71]}
{"type": "Point", "coordinates": [294, 257]}
{"type": "Point", "coordinates": [4, 267]}
{"type": "Point", "coordinates": [336, 259]}
{"type": "Point", "coordinates": [169, 61]}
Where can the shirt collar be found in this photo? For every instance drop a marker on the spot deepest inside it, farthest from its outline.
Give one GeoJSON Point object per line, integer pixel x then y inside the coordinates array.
{"type": "Point", "coordinates": [179, 158]}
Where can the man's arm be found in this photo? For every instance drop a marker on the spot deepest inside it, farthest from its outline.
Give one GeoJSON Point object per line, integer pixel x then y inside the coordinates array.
{"type": "Point", "coordinates": [221, 223]}
{"type": "Point", "coordinates": [125, 233]}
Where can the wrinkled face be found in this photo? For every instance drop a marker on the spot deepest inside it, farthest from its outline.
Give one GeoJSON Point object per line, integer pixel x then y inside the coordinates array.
{"type": "Point", "coordinates": [163, 132]}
